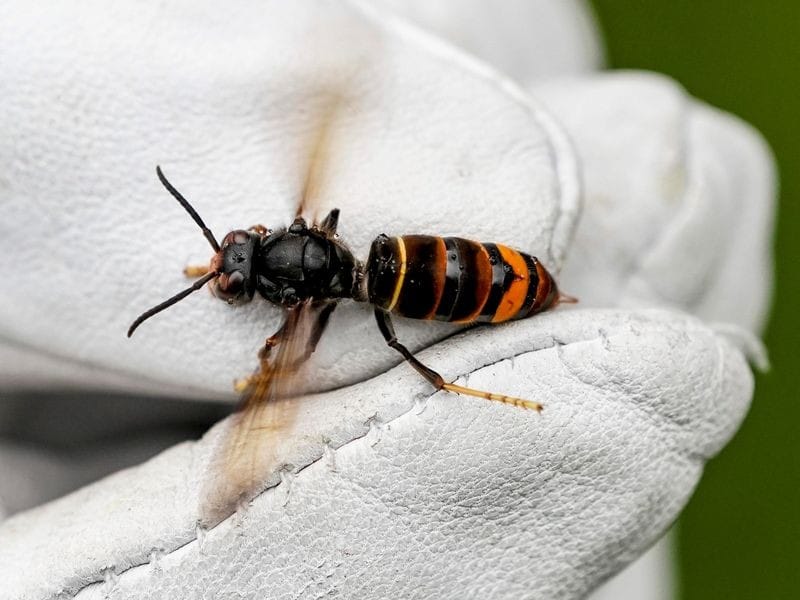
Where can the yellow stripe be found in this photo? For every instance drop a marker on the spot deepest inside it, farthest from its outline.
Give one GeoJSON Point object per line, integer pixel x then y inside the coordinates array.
{"type": "Point", "coordinates": [399, 284]}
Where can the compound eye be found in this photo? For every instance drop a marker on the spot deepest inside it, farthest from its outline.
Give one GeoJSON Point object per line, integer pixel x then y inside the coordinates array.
{"type": "Point", "coordinates": [230, 285]}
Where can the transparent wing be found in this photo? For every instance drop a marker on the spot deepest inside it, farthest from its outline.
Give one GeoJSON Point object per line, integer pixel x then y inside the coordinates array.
{"type": "Point", "coordinates": [245, 454]}
{"type": "Point", "coordinates": [319, 158]}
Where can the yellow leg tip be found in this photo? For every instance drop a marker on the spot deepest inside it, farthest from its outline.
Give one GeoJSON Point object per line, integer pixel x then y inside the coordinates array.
{"type": "Point", "coordinates": [240, 385]}
{"type": "Point", "coordinates": [193, 271]}
{"type": "Point", "coordinates": [518, 402]}
{"type": "Point", "coordinates": [531, 405]}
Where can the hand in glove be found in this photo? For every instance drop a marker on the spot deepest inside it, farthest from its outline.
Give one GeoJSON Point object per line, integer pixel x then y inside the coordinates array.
{"type": "Point", "coordinates": [383, 488]}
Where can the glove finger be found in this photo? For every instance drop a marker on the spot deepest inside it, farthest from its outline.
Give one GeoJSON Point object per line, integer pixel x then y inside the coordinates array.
{"type": "Point", "coordinates": [680, 199]}
{"type": "Point", "coordinates": [456, 493]}
{"type": "Point", "coordinates": [228, 106]}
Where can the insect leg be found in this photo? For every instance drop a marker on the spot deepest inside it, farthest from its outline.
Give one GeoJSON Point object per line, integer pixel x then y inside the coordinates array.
{"type": "Point", "coordinates": [319, 328]}
{"type": "Point", "coordinates": [436, 380]}
{"type": "Point", "coordinates": [272, 341]}
{"type": "Point", "coordinates": [240, 385]}
{"type": "Point", "coordinates": [192, 271]}
{"type": "Point", "coordinates": [261, 230]}
{"type": "Point", "coordinates": [330, 222]}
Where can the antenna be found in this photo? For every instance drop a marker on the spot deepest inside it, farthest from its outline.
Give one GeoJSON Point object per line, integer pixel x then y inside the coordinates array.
{"type": "Point", "coordinates": [197, 284]}
{"type": "Point", "coordinates": [192, 212]}
{"type": "Point", "coordinates": [176, 298]}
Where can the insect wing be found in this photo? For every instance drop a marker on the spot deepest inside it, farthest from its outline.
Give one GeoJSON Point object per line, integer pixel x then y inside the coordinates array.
{"type": "Point", "coordinates": [319, 157]}
{"type": "Point", "coordinates": [246, 451]}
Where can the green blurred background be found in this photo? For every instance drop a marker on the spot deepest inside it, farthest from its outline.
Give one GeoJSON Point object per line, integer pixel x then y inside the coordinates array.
{"type": "Point", "coordinates": [740, 535]}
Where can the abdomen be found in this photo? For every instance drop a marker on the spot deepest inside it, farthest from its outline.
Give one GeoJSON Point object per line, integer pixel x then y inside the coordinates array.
{"type": "Point", "coordinates": [453, 279]}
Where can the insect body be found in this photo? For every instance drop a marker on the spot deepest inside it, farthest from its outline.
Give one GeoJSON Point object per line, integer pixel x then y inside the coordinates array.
{"type": "Point", "coordinates": [307, 270]}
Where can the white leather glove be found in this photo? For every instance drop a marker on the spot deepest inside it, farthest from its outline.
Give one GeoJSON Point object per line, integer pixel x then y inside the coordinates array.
{"type": "Point", "coordinates": [392, 491]}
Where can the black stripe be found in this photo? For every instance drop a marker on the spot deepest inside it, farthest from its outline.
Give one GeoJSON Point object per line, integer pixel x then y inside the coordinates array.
{"type": "Point", "coordinates": [500, 273]}
{"type": "Point", "coordinates": [418, 294]}
{"type": "Point", "coordinates": [533, 285]}
{"type": "Point", "coordinates": [452, 281]}
{"type": "Point", "coordinates": [467, 301]}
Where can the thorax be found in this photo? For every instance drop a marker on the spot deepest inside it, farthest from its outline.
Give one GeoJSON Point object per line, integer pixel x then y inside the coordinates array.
{"type": "Point", "coordinates": [293, 266]}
